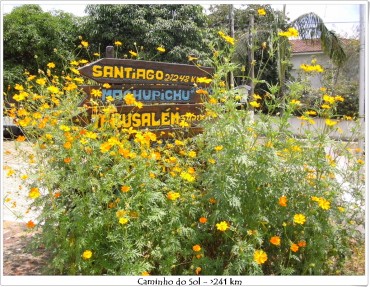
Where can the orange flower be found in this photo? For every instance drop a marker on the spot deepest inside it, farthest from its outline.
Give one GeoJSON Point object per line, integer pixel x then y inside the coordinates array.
{"type": "Point", "coordinates": [125, 188]}
{"type": "Point", "coordinates": [57, 194]}
{"type": "Point", "coordinates": [212, 200]}
{"type": "Point", "coordinates": [197, 248]}
{"type": "Point", "coordinates": [302, 243]}
{"type": "Point", "coordinates": [67, 145]}
{"type": "Point", "coordinates": [21, 139]}
{"type": "Point", "coordinates": [283, 201]}
{"type": "Point", "coordinates": [67, 160]}
{"type": "Point", "coordinates": [197, 270]}
{"type": "Point", "coordinates": [294, 247]}
{"type": "Point", "coordinates": [203, 220]}
{"type": "Point", "coordinates": [30, 224]}
{"type": "Point", "coordinates": [275, 240]}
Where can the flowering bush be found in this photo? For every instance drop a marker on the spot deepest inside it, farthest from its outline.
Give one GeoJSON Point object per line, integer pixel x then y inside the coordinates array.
{"type": "Point", "coordinates": [245, 197]}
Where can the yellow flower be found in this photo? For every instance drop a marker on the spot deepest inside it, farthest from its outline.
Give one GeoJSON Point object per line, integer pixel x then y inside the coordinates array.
{"type": "Point", "coordinates": [339, 98]}
{"type": "Point", "coordinates": [325, 106]}
{"type": "Point", "coordinates": [204, 80]}
{"type": "Point", "coordinates": [219, 148]}
{"type": "Point", "coordinates": [222, 226]}
{"type": "Point", "coordinates": [192, 154]}
{"type": "Point", "coordinates": [85, 44]}
{"type": "Point", "coordinates": [118, 43]}
{"type": "Point", "coordinates": [330, 122]}
{"type": "Point", "coordinates": [53, 89]}
{"type": "Point", "coordinates": [197, 248]}
{"type": "Point", "coordinates": [74, 63]}
{"type": "Point", "coordinates": [133, 54]}
{"type": "Point", "coordinates": [96, 93]}
{"type": "Point", "coordinates": [34, 193]}
{"type": "Point", "coordinates": [145, 273]}
{"type": "Point", "coordinates": [20, 97]}
{"type": "Point", "coordinates": [341, 209]}
{"type": "Point", "coordinates": [187, 176]}
{"type": "Point", "coordinates": [173, 195]}
{"type": "Point", "coordinates": [106, 85]}
{"type": "Point", "coordinates": [275, 240]}
{"type": "Point", "coordinates": [290, 33]}
{"type": "Point", "coordinates": [64, 128]}
{"type": "Point", "coordinates": [191, 58]}
{"type": "Point", "coordinates": [260, 256]}
{"type": "Point", "coordinates": [257, 97]}
{"type": "Point", "coordinates": [261, 12]}
{"type": "Point", "coordinates": [312, 68]}
{"type": "Point", "coordinates": [299, 218]}
{"type": "Point", "coordinates": [18, 87]}
{"type": "Point", "coordinates": [51, 65]}
{"type": "Point", "coordinates": [323, 203]}
{"type": "Point", "coordinates": [75, 71]}
{"type": "Point", "coordinates": [105, 147]}
{"type": "Point", "coordinates": [130, 99]}
{"type": "Point", "coordinates": [311, 113]}
{"type": "Point", "coordinates": [295, 102]}
{"type": "Point", "coordinates": [86, 254]}
{"type": "Point", "coordinates": [328, 99]}
{"type": "Point", "coordinates": [10, 172]}
{"type": "Point", "coordinates": [41, 81]}
{"type": "Point", "coordinates": [161, 49]}
{"type": "Point", "coordinates": [254, 104]}
{"type": "Point", "coordinates": [123, 220]}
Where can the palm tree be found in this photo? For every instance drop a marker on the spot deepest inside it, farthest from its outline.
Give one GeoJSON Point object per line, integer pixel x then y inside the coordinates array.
{"type": "Point", "coordinates": [310, 26]}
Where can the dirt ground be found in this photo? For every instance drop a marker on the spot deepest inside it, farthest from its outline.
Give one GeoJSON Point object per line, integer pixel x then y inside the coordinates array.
{"type": "Point", "coordinates": [17, 261]}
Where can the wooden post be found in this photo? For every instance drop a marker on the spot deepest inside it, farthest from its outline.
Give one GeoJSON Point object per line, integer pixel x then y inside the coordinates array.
{"type": "Point", "coordinates": [251, 53]}
{"type": "Point", "coordinates": [109, 52]}
{"type": "Point", "coordinates": [232, 34]}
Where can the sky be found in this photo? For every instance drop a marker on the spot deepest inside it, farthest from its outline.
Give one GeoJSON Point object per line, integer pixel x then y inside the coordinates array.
{"type": "Point", "coordinates": [340, 16]}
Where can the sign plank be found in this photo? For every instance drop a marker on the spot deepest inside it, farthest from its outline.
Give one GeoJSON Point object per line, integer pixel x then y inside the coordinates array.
{"type": "Point", "coordinates": [147, 94]}
{"type": "Point", "coordinates": [125, 71]}
{"type": "Point", "coordinates": [150, 116]}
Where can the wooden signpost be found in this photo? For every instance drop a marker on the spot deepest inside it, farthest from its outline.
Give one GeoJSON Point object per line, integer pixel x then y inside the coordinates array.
{"type": "Point", "coordinates": [167, 91]}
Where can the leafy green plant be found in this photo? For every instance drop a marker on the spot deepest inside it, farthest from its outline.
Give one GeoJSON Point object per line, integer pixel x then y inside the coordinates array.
{"type": "Point", "coordinates": [245, 197]}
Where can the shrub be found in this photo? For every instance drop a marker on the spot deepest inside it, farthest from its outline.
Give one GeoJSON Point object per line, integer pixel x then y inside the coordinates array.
{"type": "Point", "coordinates": [245, 197]}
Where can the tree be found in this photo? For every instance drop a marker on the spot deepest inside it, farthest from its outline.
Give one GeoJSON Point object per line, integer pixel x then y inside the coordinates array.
{"type": "Point", "coordinates": [311, 26]}
{"type": "Point", "coordinates": [252, 43]}
{"type": "Point", "coordinates": [180, 29]}
{"type": "Point", "coordinates": [30, 37]}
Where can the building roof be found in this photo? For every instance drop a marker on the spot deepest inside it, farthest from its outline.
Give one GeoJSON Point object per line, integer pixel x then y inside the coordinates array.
{"type": "Point", "coordinates": [306, 46]}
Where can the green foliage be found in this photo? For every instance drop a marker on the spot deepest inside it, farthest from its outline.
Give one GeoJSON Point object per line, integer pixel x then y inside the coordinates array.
{"type": "Point", "coordinates": [30, 37]}
{"type": "Point", "coordinates": [245, 197]}
{"type": "Point", "coordinates": [180, 29]}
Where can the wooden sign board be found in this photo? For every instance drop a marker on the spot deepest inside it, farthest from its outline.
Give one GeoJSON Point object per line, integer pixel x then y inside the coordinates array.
{"type": "Point", "coordinates": [168, 93]}
{"type": "Point", "coordinates": [147, 94]}
{"type": "Point", "coordinates": [150, 116]}
{"type": "Point", "coordinates": [125, 71]}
